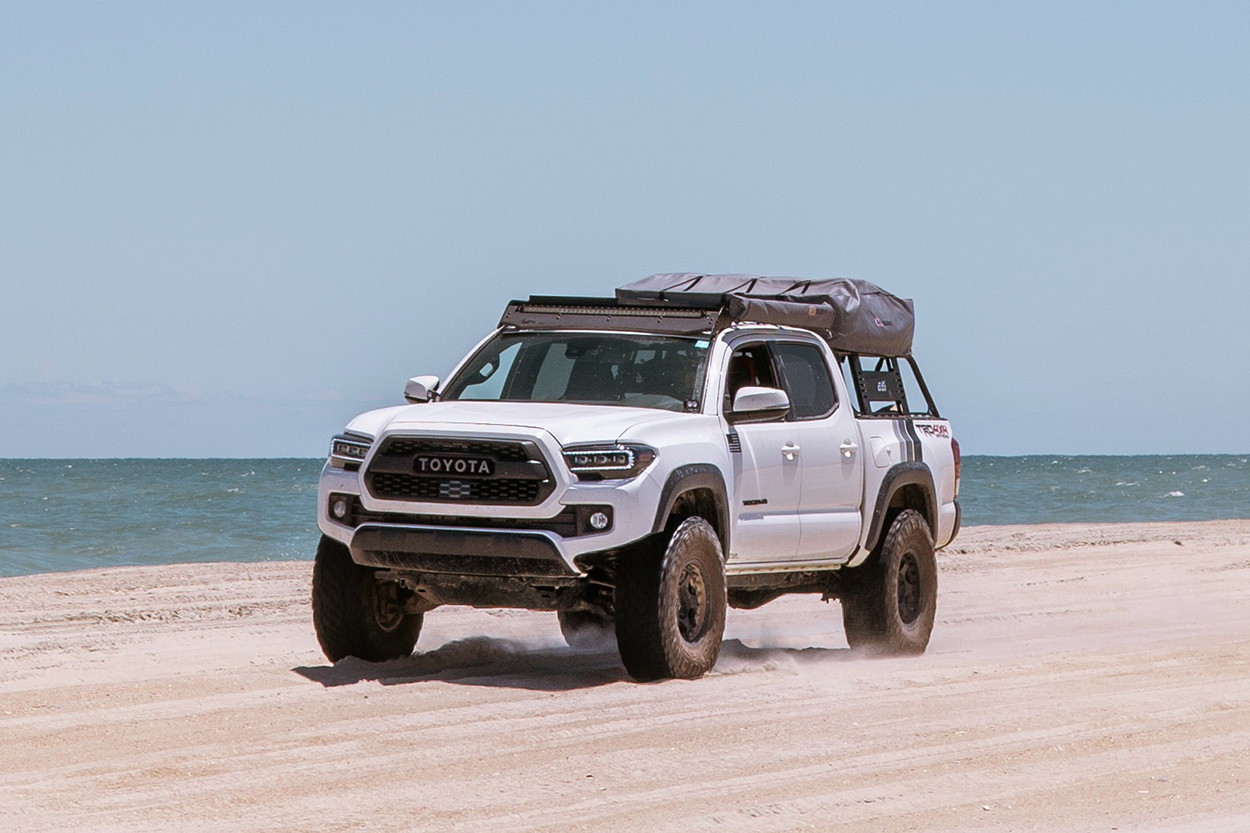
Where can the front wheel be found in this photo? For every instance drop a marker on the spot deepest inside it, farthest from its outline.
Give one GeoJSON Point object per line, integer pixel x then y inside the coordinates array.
{"type": "Point", "coordinates": [890, 601]}
{"type": "Point", "coordinates": [354, 614]}
{"type": "Point", "coordinates": [670, 604]}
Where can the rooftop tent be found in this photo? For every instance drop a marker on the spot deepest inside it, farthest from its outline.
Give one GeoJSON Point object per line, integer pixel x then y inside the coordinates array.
{"type": "Point", "coordinates": [855, 316]}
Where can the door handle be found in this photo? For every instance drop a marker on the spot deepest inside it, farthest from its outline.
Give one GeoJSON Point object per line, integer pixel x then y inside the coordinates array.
{"type": "Point", "coordinates": [848, 448]}
{"type": "Point", "coordinates": [790, 451]}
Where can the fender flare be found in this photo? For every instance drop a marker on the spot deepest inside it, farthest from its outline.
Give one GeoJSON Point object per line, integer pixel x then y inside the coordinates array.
{"type": "Point", "coordinates": [695, 476]}
{"type": "Point", "coordinates": [903, 474]}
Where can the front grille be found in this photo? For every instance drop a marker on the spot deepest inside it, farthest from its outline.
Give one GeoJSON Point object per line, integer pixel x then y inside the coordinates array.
{"type": "Point", "coordinates": [520, 476]}
{"type": "Point", "coordinates": [414, 487]}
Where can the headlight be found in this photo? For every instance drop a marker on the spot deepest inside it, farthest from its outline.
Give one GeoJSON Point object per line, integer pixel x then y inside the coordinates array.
{"type": "Point", "coordinates": [608, 461]}
{"type": "Point", "coordinates": [347, 451]}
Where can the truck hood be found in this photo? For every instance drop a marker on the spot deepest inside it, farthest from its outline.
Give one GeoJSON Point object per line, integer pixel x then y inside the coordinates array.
{"type": "Point", "coordinates": [568, 424]}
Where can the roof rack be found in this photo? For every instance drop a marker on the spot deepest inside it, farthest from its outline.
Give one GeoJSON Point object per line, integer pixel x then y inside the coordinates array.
{"type": "Point", "coordinates": [854, 316]}
{"type": "Point", "coordinates": [543, 312]}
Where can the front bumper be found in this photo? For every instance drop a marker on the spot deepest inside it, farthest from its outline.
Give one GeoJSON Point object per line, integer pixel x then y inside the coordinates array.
{"type": "Point", "coordinates": [460, 551]}
{"type": "Point", "coordinates": [488, 540]}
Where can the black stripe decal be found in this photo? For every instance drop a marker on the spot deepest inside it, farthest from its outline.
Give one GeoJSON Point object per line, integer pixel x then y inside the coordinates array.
{"type": "Point", "coordinates": [904, 441]}
{"type": "Point", "coordinates": [915, 438]}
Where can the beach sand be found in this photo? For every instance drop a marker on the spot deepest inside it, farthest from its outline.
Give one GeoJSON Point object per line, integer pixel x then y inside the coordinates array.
{"type": "Point", "coordinates": [1080, 677]}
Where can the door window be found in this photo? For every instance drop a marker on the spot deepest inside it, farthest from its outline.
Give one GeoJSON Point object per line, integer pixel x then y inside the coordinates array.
{"type": "Point", "coordinates": [749, 366]}
{"type": "Point", "coordinates": [807, 380]}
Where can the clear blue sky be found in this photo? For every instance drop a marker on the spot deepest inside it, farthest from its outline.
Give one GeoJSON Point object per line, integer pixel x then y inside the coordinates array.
{"type": "Point", "coordinates": [225, 228]}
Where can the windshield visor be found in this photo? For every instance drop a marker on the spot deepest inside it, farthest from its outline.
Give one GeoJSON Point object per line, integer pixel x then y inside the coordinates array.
{"type": "Point", "coordinates": [639, 371]}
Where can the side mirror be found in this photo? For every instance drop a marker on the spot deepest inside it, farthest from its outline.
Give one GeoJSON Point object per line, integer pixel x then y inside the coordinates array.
{"type": "Point", "coordinates": [752, 404]}
{"type": "Point", "coordinates": [420, 389]}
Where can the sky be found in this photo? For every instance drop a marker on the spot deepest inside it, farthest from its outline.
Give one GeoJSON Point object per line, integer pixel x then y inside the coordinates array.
{"type": "Point", "coordinates": [226, 228]}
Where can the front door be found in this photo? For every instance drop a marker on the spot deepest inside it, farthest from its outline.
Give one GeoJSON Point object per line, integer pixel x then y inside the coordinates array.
{"type": "Point", "coordinates": [768, 469]}
{"type": "Point", "coordinates": [769, 487]}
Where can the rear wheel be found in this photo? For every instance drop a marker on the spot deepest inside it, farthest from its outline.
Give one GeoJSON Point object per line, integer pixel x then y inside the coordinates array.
{"type": "Point", "coordinates": [889, 602]}
{"type": "Point", "coordinates": [583, 629]}
{"type": "Point", "coordinates": [670, 604]}
{"type": "Point", "coordinates": [354, 614]}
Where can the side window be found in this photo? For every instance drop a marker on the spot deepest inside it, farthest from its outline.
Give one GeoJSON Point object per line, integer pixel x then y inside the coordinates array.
{"type": "Point", "coordinates": [807, 380]}
{"type": "Point", "coordinates": [848, 376]}
{"type": "Point", "coordinates": [748, 366]}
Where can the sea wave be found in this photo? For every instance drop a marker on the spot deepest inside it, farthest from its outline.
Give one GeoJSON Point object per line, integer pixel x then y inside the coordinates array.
{"type": "Point", "coordinates": [76, 514]}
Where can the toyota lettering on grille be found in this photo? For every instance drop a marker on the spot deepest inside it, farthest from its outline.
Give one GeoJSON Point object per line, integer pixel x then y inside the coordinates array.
{"type": "Point", "coordinates": [460, 466]}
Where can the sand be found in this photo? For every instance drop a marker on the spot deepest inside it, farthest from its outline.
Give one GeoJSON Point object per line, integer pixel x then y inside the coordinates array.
{"type": "Point", "coordinates": [1080, 677]}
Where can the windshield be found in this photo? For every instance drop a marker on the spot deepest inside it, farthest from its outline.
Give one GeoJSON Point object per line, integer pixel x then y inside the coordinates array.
{"type": "Point", "coordinates": [640, 371]}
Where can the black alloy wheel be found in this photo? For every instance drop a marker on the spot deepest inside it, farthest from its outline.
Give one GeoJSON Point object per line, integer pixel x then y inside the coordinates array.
{"type": "Point", "coordinates": [670, 604]}
{"type": "Point", "coordinates": [890, 601]}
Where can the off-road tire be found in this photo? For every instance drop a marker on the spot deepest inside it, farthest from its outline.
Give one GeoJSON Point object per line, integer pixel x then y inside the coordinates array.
{"type": "Point", "coordinates": [585, 630]}
{"type": "Point", "coordinates": [355, 615]}
{"type": "Point", "coordinates": [889, 601]}
{"type": "Point", "coordinates": [670, 604]}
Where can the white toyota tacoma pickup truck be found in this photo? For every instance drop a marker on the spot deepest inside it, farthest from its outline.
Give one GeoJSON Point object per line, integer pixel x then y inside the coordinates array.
{"type": "Point", "coordinates": [639, 463]}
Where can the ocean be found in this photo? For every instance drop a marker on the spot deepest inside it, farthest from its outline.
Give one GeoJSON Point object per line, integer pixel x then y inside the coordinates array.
{"type": "Point", "coordinates": [74, 514]}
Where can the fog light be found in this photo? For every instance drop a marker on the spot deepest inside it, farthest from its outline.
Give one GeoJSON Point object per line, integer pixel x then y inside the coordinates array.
{"type": "Point", "coordinates": [339, 508]}
{"type": "Point", "coordinates": [593, 519]}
